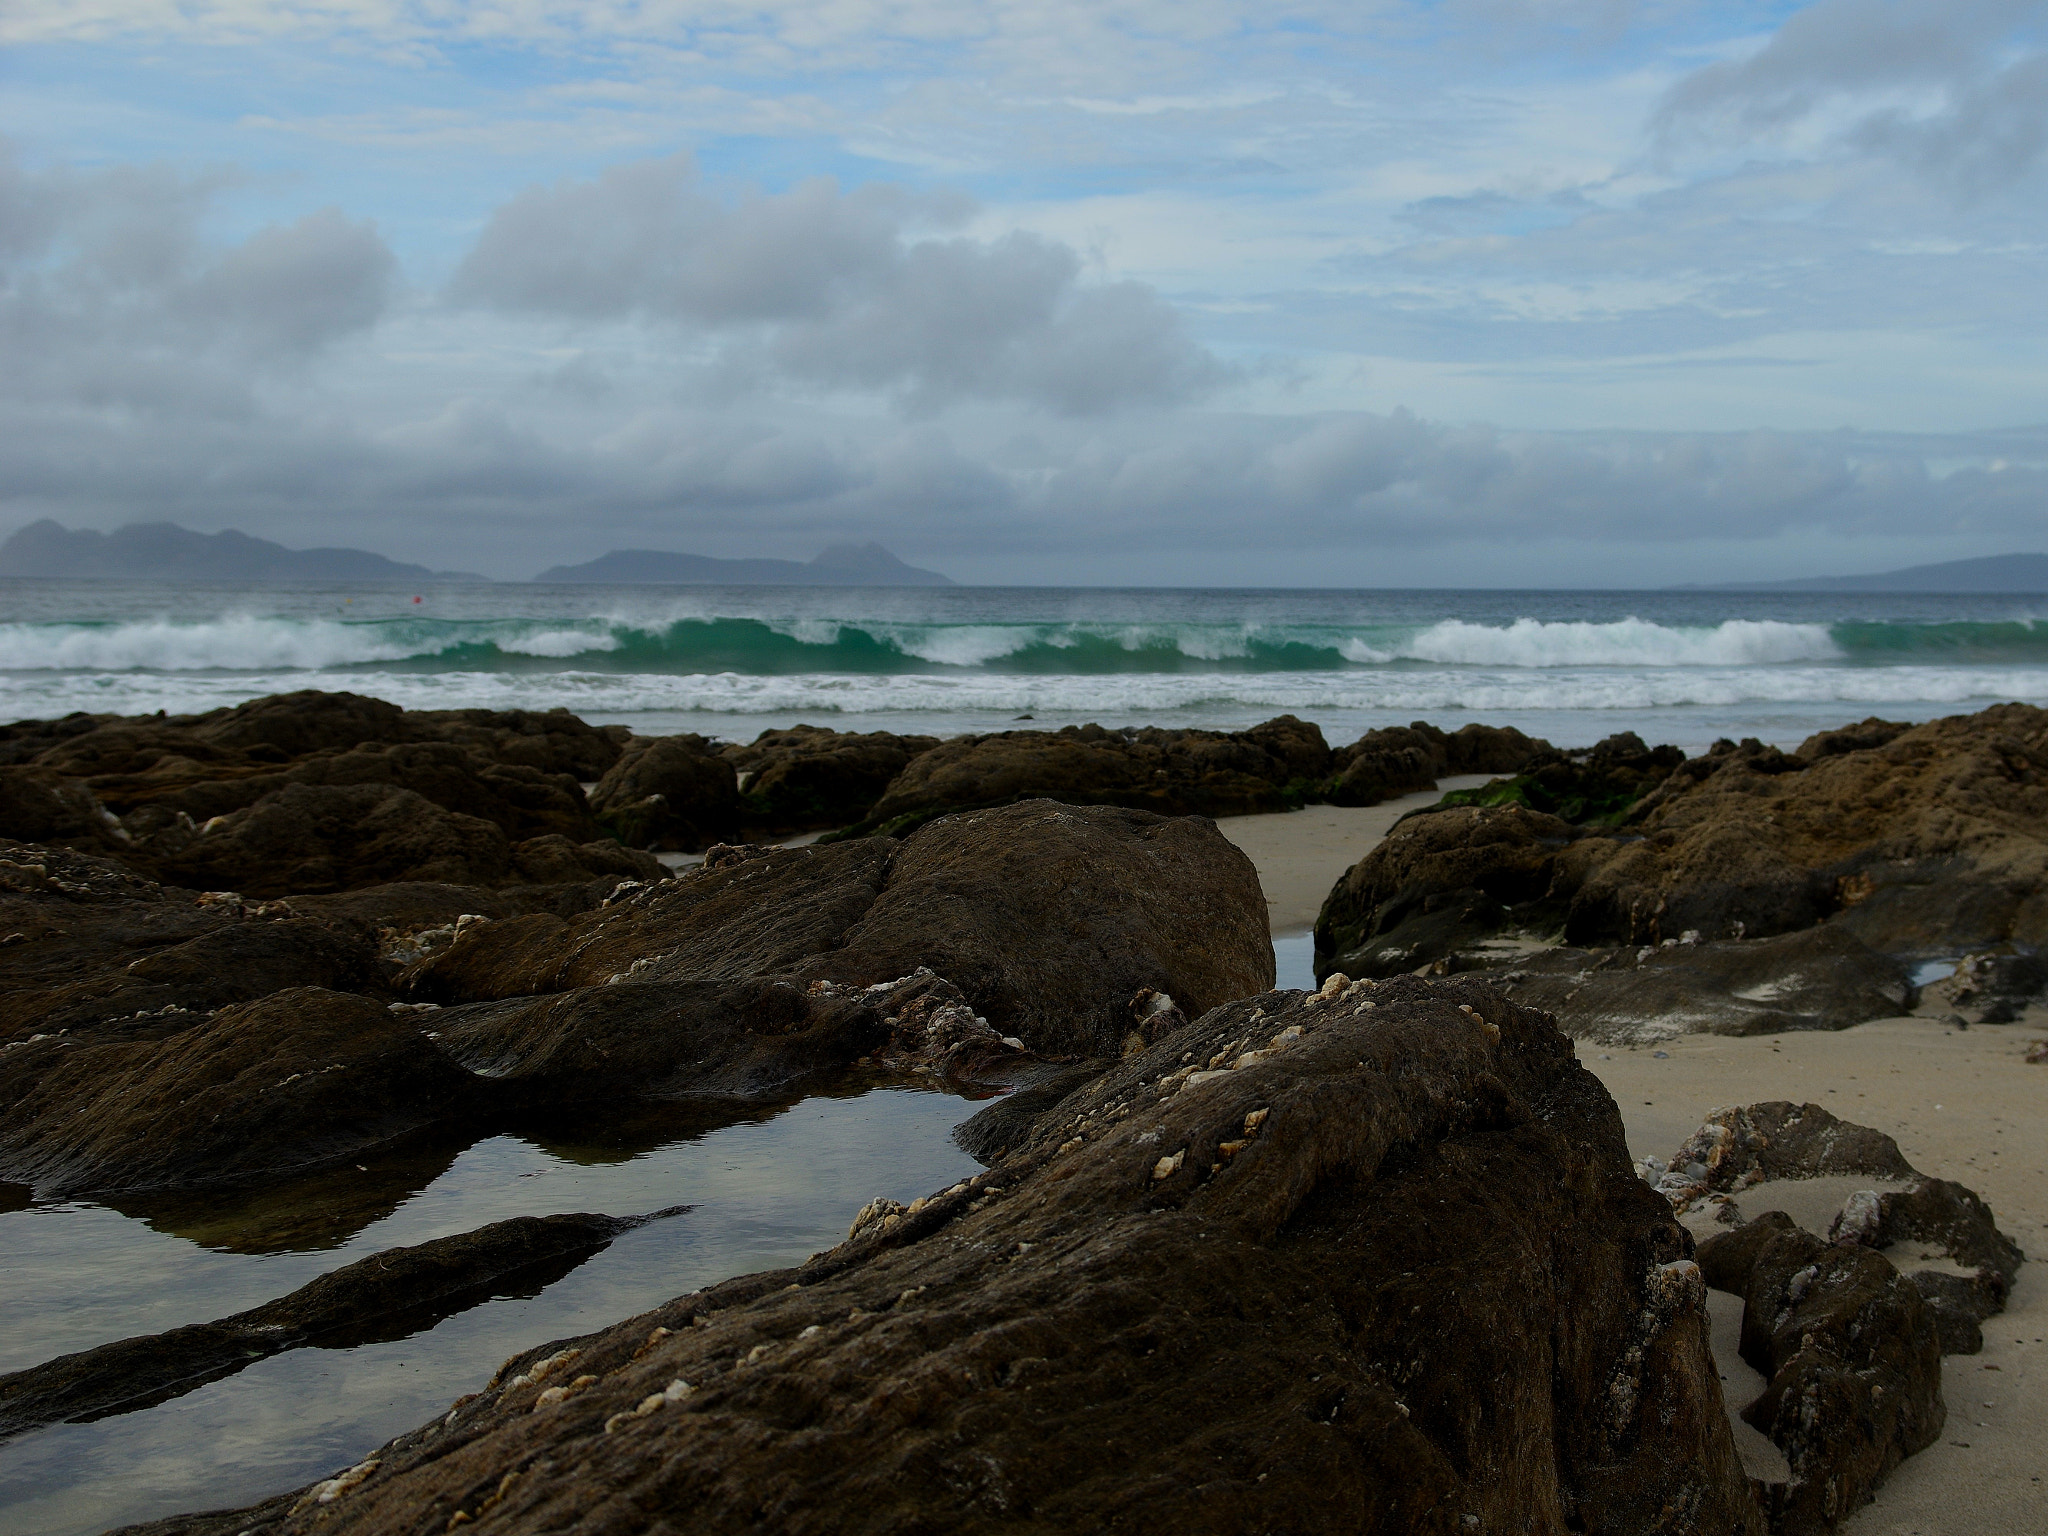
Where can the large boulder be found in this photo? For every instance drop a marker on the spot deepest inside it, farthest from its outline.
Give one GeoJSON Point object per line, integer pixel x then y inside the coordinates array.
{"type": "Point", "coordinates": [1052, 918]}
{"type": "Point", "coordinates": [807, 779]}
{"type": "Point", "coordinates": [1384, 1267]}
{"type": "Point", "coordinates": [325, 837]}
{"type": "Point", "coordinates": [669, 793]}
{"type": "Point", "coordinates": [1271, 767]}
{"type": "Point", "coordinates": [1400, 760]}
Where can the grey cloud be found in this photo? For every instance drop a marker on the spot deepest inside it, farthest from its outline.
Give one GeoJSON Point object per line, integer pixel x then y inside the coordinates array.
{"type": "Point", "coordinates": [108, 293]}
{"type": "Point", "coordinates": [851, 289]}
{"type": "Point", "coordinates": [1991, 126]}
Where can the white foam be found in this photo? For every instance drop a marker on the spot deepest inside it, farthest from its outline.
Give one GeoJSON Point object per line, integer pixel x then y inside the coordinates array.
{"type": "Point", "coordinates": [1623, 643]}
{"type": "Point", "coordinates": [1423, 691]}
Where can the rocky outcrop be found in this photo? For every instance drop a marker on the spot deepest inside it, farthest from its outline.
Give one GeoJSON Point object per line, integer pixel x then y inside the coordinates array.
{"type": "Point", "coordinates": [1373, 1261]}
{"type": "Point", "coordinates": [1819, 979]}
{"type": "Point", "coordinates": [807, 779]}
{"type": "Point", "coordinates": [1871, 845]}
{"type": "Point", "coordinates": [390, 1295]}
{"type": "Point", "coordinates": [266, 798]}
{"type": "Point", "coordinates": [295, 1080]}
{"type": "Point", "coordinates": [1851, 1359]}
{"type": "Point", "coordinates": [1037, 929]}
{"type": "Point", "coordinates": [1049, 918]}
{"type": "Point", "coordinates": [1737, 1149]}
{"type": "Point", "coordinates": [1400, 760]}
{"type": "Point", "coordinates": [669, 793]}
{"type": "Point", "coordinates": [1171, 773]}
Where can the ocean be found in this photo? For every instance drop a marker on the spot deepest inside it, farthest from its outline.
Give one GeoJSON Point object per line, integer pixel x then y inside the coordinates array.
{"type": "Point", "coordinates": [729, 662]}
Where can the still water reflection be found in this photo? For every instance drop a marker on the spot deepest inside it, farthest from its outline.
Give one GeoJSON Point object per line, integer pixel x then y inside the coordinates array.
{"type": "Point", "coordinates": [763, 1193]}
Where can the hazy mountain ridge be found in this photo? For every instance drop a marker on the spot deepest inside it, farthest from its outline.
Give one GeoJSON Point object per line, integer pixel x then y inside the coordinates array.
{"type": "Point", "coordinates": [167, 552]}
{"type": "Point", "coordinates": [1991, 573]}
{"type": "Point", "coordinates": [842, 565]}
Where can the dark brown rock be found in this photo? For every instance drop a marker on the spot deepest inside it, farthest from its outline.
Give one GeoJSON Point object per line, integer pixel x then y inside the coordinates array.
{"type": "Point", "coordinates": [390, 1295]}
{"type": "Point", "coordinates": [1051, 917]}
{"type": "Point", "coordinates": [41, 806]}
{"type": "Point", "coordinates": [294, 1080]}
{"type": "Point", "coordinates": [669, 793]}
{"type": "Point", "coordinates": [312, 838]}
{"type": "Point", "coordinates": [1437, 884]}
{"type": "Point", "coordinates": [1818, 979]}
{"type": "Point", "coordinates": [1852, 1360]}
{"type": "Point", "coordinates": [750, 1040]}
{"type": "Point", "coordinates": [1393, 1276]}
{"type": "Point", "coordinates": [808, 779]}
{"type": "Point", "coordinates": [1745, 1145]}
{"type": "Point", "coordinates": [1171, 773]}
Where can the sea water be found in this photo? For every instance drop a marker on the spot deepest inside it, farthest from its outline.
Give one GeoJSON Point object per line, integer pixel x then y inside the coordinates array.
{"type": "Point", "coordinates": [729, 662]}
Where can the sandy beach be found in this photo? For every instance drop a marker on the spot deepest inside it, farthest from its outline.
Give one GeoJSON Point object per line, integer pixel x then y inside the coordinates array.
{"type": "Point", "coordinates": [1962, 1104]}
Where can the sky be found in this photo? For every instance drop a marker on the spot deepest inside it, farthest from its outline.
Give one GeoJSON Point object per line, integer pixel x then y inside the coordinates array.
{"type": "Point", "coordinates": [1182, 292]}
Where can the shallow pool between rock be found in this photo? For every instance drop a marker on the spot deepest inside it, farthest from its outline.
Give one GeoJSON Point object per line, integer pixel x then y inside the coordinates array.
{"type": "Point", "coordinates": [763, 1193]}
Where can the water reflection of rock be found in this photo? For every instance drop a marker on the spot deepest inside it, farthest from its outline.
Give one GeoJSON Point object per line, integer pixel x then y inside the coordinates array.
{"type": "Point", "coordinates": [387, 1296]}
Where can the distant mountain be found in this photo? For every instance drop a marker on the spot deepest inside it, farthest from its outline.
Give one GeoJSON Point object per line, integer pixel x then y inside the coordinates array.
{"type": "Point", "coordinates": [843, 565]}
{"type": "Point", "coordinates": [166, 552]}
{"type": "Point", "coordinates": [1993, 573]}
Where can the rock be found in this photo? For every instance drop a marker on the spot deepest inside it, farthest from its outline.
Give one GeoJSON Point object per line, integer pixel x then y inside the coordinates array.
{"type": "Point", "coordinates": [1997, 986]}
{"type": "Point", "coordinates": [1051, 918]}
{"type": "Point", "coordinates": [1819, 979]}
{"type": "Point", "coordinates": [750, 1041]}
{"type": "Point", "coordinates": [390, 1295]}
{"type": "Point", "coordinates": [671, 793]}
{"type": "Point", "coordinates": [1736, 1149]}
{"type": "Point", "coordinates": [1591, 787]}
{"type": "Point", "coordinates": [807, 779]}
{"type": "Point", "coordinates": [1170, 773]}
{"type": "Point", "coordinates": [1742, 1146]}
{"type": "Point", "coordinates": [295, 1080]}
{"type": "Point", "coordinates": [990, 1134]}
{"type": "Point", "coordinates": [1852, 1360]}
{"type": "Point", "coordinates": [40, 806]}
{"type": "Point", "coordinates": [755, 917]}
{"type": "Point", "coordinates": [1917, 842]}
{"type": "Point", "coordinates": [553, 741]}
{"type": "Point", "coordinates": [1399, 1278]}
{"type": "Point", "coordinates": [1438, 884]}
{"type": "Point", "coordinates": [310, 838]}
{"type": "Point", "coordinates": [1386, 764]}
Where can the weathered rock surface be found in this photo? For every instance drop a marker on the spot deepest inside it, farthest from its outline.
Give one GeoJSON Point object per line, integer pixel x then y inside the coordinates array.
{"type": "Point", "coordinates": [1049, 918]}
{"type": "Point", "coordinates": [294, 1080]}
{"type": "Point", "coordinates": [1399, 760]}
{"type": "Point", "coordinates": [807, 779]}
{"type": "Point", "coordinates": [1737, 1149]}
{"type": "Point", "coordinates": [1852, 1361]}
{"type": "Point", "coordinates": [1390, 1273]}
{"type": "Point", "coordinates": [1271, 767]}
{"type": "Point", "coordinates": [1822, 978]}
{"type": "Point", "coordinates": [389, 1295]}
{"type": "Point", "coordinates": [1598, 786]}
{"type": "Point", "coordinates": [669, 793]}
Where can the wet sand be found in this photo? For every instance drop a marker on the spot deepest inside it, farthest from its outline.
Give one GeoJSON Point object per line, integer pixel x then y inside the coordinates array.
{"type": "Point", "coordinates": [1963, 1105]}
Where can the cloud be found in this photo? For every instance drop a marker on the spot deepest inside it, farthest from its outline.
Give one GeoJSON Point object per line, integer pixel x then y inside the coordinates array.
{"type": "Point", "coordinates": [837, 289]}
{"type": "Point", "coordinates": [1953, 87]}
{"type": "Point", "coordinates": [109, 293]}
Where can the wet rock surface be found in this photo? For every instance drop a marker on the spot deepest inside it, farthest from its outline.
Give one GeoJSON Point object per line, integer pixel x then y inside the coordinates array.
{"type": "Point", "coordinates": [1366, 1261]}
{"type": "Point", "coordinates": [388, 1295]}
